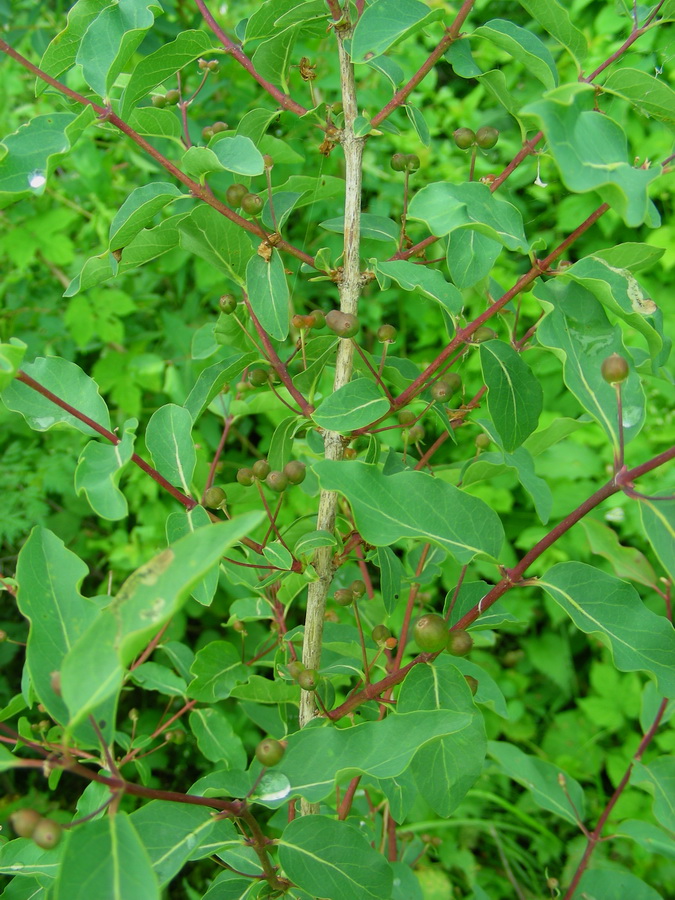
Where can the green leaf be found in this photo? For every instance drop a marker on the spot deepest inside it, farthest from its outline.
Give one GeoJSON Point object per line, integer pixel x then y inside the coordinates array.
{"type": "Point", "coordinates": [62, 50]}
{"type": "Point", "coordinates": [306, 545]}
{"type": "Point", "coordinates": [618, 291]}
{"type": "Point", "coordinates": [139, 210]}
{"type": "Point", "coordinates": [555, 19]}
{"type": "Point", "coordinates": [601, 604]}
{"type": "Point", "coordinates": [122, 865]}
{"type": "Point", "coordinates": [11, 355]}
{"type": "Point", "coordinates": [627, 562]}
{"type": "Point", "coordinates": [376, 228]}
{"type": "Point", "coordinates": [179, 524]}
{"type": "Point", "coordinates": [111, 39]}
{"type": "Point", "coordinates": [413, 504]}
{"type": "Point", "coordinates": [418, 123]}
{"type": "Point", "coordinates": [649, 836]}
{"type": "Point", "coordinates": [217, 240]}
{"type": "Point", "coordinates": [281, 445]}
{"type": "Point", "coordinates": [168, 437]}
{"type": "Point", "coordinates": [653, 97]}
{"type": "Point", "coordinates": [455, 761]}
{"type": "Point", "coordinates": [658, 521]}
{"type": "Point", "coordinates": [94, 667]}
{"type": "Point", "coordinates": [273, 57]}
{"type": "Point", "coordinates": [155, 68]}
{"type": "Point", "coordinates": [98, 472]}
{"type": "Point", "coordinates": [154, 677]}
{"type": "Point", "coordinates": [523, 46]}
{"type": "Point", "coordinates": [29, 156]}
{"type": "Point", "coordinates": [578, 331]}
{"type": "Point", "coordinates": [444, 207]}
{"type": "Point", "coordinates": [333, 860]}
{"type": "Point", "coordinates": [216, 738]}
{"type": "Point", "coordinates": [387, 22]}
{"type": "Point", "coordinates": [238, 154]}
{"type": "Point", "coordinates": [217, 668]}
{"type": "Point", "coordinates": [659, 779]}
{"type": "Point", "coordinates": [470, 256]}
{"type": "Point", "coordinates": [170, 833]}
{"type": "Point", "coordinates": [610, 884]}
{"type": "Point", "coordinates": [541, 778]}
{"type": "Point", "coordinates": [391, 576]}
{"type": "Point", "coordinates": [212, 380]}
{"type": "Point", "coordinates": [268, 295]}
{"type": "Point", "coordinates": [591, 152]}
{"type": "Point", "coordinates": [492, 465]}
{"type": "Point", "coordinates": [263, 20]}
{"type": "Point", "coordinates": [7, 761]}
{"type": "Point", "coordinates": [162, 123]}
{"type": "Point", "coordinates": [23, 857]}
{"type": "Point", "coordinates": [68, 382]}
{"type": "Point", "coordinates": [49, 578]}
{"type": "Point", "coordinates": [427, 282]}
{"type": "Point", "coordinates": [354, 405]}
{"type": "Point", "coordinates": [515, 398]}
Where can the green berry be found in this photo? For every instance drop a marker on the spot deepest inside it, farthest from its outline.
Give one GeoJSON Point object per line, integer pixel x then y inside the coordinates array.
{"type": "Point", "coordinates": [386, 334]}
{"type": "Point", "coordinates": [259, 377]}
{"type": "Point", "coordinates": [406, 417]}
{"type": "Point", "coordinates": [319, 318]}
{"type": "Point", "coordinates": [412, 162]}
{"type": "Point", "coordinates": [214, 497]}
{"type": "Point", "coordinates": [252, 204]}
{"type": "Point", "coordinates": [295, 471]}
{"type": "Point", "coordinates": [444, 388]}
{"type": "Point", "coordinates": [295, 667]}
{"type": "Point", "coordinates": [23, 821]}
{"type": "Point", "coordinates": [483, 334]}
{"type": "Point", "coordinates": [464, 138]}
{"type": "Point", "coordinates": [47, 833]}
{"type": "Point", "coordinates": [261, 469]}
{"type": "Point", "coordinates": [219, 127]}
{"type": "Point", "coordinates": [487, 137]}
{"type": "Point", "coordinates": [398, 162]}
{"type": "Point", "coordinates": [245, 477]}
{"type": "Point", "coordinates": [269, 752]}
{"type": "Point", "coordinates": [213, 65]}
{"type": "Point", "coordinates": [614, 369]}
{"type": "Point", "coordinates": [344, 597]}
{"type": "Point", "coordinates": [268, 161]}
{"type": "Point", "coordinates": [482, 441]}
{"type": "Point", "coordinates": [227, 304]}
{"type": "Point", "coordinates": [459, 643]}
{"type": "Point", "coordinates": [430, 633]}
{"type": "Point", "coordinates": [277, 481]}
{"type": "Point", "coordinates": [358, 588]}
{"type": "Point", "coordinates": [235, 194]}
{"type": "Point", "coordinates": [309, 679]}
{"type": "Point", "coordinates": [172, 97]}
{"type": "Point", "coordinates": [159, 101]}
{"type": "Point", "coordinates": [380, 634]}
{"type": "Point", "coordinates": [345, 325]}
{"type": "Point", "coordinates": [415, 434]}
{"type": "Point", "coordinates": [207, 134]}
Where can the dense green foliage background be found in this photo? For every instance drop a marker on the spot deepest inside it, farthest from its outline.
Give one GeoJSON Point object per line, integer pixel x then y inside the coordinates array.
{"type": "Point", "coordinates": [145, 336]}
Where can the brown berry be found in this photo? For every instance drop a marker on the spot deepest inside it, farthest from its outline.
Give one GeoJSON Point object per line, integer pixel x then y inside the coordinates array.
{"type": "Point", "coordinates": [459, 643]}
{"type": "Point", "coordinates": [277, 481]}
{"type": "Point", "coordinates": [345, 325]}
{"type": "Point", "coordinates": [614, 369]}
{"type": "Point", "coordinates": [295, 471]}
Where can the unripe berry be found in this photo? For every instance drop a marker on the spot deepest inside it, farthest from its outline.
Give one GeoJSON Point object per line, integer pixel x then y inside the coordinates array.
{"type": "Point", "coordinates": [295, 471]}
{"type": "Point", "coordinates": [380, 634]}
{"type": "Point", "coordinates": [261, 469]}
{"type": "Point", "coordinates": [487, 137]}
{"type": "Point", "coordinates": [350, 453]}
{"type": "Point", "coordinates": [406, 417]}
{"type": "Point", "coordinates": [47, 833]}
{"type": "Point", "coordinates": [159, 101]}
{"type": "Point", "coordinates": [219, 127]}
{"type": "Point", "coordinates": [277, 481]}
{"type": "Point", "coordinates": [213, 65]}
{"type": "Point", "coordinates": [482, 441]}
{"type": "Point", "coordinates": [252, 204]}
{"type": "Point", "coordinates": [464, 138]}
{"type": "Point", "coordinates": [415, 434]}
{"type": "Point", "coordinates": [239, 626]}
{"type": "Point", "coordinates": [412, 162]}
{"type": "Point", "coordinates": [172, 97]}
{"type": "Point", "coordinates": [227, 304]}
{"type": "Point", "coordinates": [358, 588]}
{"type": "Point", "coordinates": [259, 377]}
{"type": "Point", "coordinates": [345, 325]}
{"type": "Point", "coordinates": [309, 679]}
{"type": "Point", "coordinates": [298, 321]}
{"type": "Point", "coordinates": [269, 752]}
{"type": "Point", "coordinates": [268, 161]}
{"type": "Point", "coordinates": [398, 162]}
{"type": "Point", "coordinates": [344, 597]}
{"type": "Point", "coordinates": [207, 133]}
{"type": "Point", "coordinates": [23, 821]}
{"type": "Point", "coordinates": [235, 194]}
{"type": "Point", "coordinates": [214, 497]}
{"type": "Point", "coordinates": [445, 388]}
{"type": "Point", "coordinates": [319, 318]}
{"type": "Point", "coordinates": [295, 667]}
{"type": "Point", "coordinates": [386, 334]}
{"type": "Point", "coordinates": [483, 334]}
{"type": "Point", "coordinates": [459, 643]}
{"type": "Point", "coordinates": [245, 477]}
{"type": "Point", "coordinates": [614, 369]}
{"type": "Point", "coordinates": [430, 633]}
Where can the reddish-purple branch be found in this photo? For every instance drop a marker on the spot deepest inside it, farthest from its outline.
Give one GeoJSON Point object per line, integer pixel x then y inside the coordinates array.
{"type": "Point", "coordinates": [237, 53]}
